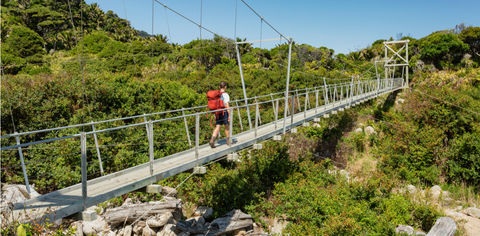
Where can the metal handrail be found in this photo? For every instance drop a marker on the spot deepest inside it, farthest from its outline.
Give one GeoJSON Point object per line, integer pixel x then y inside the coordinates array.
{"type": "Point", "coordinates": [149, 114]}
{"type": "Point", "coordinates": [317, 88]}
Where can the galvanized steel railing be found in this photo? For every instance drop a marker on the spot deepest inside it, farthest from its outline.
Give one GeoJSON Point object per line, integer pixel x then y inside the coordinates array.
{"type": "Point", "coordinates": [328, 94]}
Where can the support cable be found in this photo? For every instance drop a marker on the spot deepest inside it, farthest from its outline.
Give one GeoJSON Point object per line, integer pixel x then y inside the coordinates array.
{"type": "Point", "coordinates": [266, 22]}
{"type": "Point", "coordinates": [188, 19]}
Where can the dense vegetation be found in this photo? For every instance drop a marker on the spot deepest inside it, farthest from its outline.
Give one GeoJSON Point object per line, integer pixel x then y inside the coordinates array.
{"type": "Point", "coordinates": [67, 62]}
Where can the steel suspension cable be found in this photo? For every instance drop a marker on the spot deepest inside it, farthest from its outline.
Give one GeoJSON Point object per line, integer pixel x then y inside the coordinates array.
{"type": "Point", "coordinates": [266, 22]}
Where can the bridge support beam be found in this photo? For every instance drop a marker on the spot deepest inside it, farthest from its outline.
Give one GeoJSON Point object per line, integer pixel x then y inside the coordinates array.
{"type": "Point", "coordinates": [257, 146]}
{"type": "Point", "coordinates": [233, 157]}
{"type": "Point", "coordinates": [200, 170]}
{"type": "Point", "coordinates": [89, 215]}
{"type": "Point", "coordinates": [154, 188]}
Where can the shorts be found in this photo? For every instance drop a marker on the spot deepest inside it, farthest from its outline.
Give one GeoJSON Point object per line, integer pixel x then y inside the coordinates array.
{"type": "Point", "coordinates": [222, 118]}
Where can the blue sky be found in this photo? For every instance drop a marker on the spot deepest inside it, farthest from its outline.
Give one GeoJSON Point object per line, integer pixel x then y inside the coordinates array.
{"type": "Point", "coordinates": [343, 25]}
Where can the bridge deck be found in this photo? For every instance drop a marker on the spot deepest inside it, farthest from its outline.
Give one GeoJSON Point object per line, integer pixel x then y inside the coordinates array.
{"type": "Point", "coordinates": [68, 201]}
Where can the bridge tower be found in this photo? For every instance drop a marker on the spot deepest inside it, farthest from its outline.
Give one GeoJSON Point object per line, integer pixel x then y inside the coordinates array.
{"type": "Point", "coordinates": [396, 56]}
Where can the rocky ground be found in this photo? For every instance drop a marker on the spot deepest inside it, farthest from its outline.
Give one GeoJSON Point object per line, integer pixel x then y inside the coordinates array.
{"type": "Point", "coordinates": [164, 218]}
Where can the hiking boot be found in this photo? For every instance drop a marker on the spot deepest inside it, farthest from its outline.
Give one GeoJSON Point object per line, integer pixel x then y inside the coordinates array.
{"type": "Point", "coordinates": [212, 143]}
{"type": "Point", "coordinates": [228, 141]}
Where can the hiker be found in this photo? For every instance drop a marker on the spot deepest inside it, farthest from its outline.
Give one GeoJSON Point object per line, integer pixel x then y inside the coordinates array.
{"type": "Point", "coordinates": [217, 100]}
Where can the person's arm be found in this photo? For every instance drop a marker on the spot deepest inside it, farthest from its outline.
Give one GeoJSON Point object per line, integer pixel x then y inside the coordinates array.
{"type": "Point", "coordinates": [227, 105]}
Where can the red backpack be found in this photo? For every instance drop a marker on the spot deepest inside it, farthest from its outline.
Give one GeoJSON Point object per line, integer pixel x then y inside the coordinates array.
{"type": "Point", "coordinates": [215, 102]}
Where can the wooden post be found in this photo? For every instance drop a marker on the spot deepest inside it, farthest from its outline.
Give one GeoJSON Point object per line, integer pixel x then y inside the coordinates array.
{"type": "Point", "coordinates": [83, 151]}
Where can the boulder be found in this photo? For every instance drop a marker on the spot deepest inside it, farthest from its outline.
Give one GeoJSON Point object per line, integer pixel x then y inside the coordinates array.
{"type": "Point", "coordinates": [358, 130]}
{"type": "Point", "coordinates": [233, 220]}
{"type": "Point", "coordinates": [473, 212]}
{"type": "Point", "coordinates": [142, 211]}
{"type": "Point", "coordinates": [13, 193]}
{"type": "Point", "coordinates": [195, 225]}
{"type": "Point", "coordinates": [444, 226]}
{"type": "Point", "coordinates": [370, 130]}
{"type": "Point", "coordinates": [127, 202]}
{"type": "Point", "coordinates": [147, 231]}
{"type": "Point", "coordinates": [127, 231]}
{"type": "Point", "coordinates": [160, 220]}
{"type": "Point", "coordinates": [435, 192]}
{"type": "Point", "coordinates": [404, 229]}
{"type": "Point", "coordinates": [78, 228]}
{"type": "Point", "coordinates": [277, 227]}
{"type": "Point", "coordinates": [204, 211]}
{"type": "Point", "coordinates": [411, 189]}
{"type": "Point", "coordinates": [95, 227]}
{"type": "Point", "coordinates": [168, 230]}
{"type": "Point", "coordinates": [171, 192]}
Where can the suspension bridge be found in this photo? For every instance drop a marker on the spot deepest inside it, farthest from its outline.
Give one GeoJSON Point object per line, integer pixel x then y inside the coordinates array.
{"type": "Point", "coordinates": [253, 120]}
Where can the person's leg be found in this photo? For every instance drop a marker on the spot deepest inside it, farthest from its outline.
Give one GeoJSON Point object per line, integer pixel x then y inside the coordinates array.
{"type": "Point", "coordinates": [227, 133]}
{"type": "Point", "coordinates": [214, 135]}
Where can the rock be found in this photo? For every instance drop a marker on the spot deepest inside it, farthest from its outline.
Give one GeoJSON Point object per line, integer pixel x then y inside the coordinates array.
{"type": "Point", "coordinates": [444, 226]}
{"type": "Point", "coordinates": [160, 220]}
{"type": "Point", "coordinates": [435, 192]}
{"type": "Point", "coordinates": [473, 212]}
{"type": "Point", "coordinates": [317, 125]}
{"type": "Point", "coordinates": [471, 225]}
{"type": "Point", "coordinates": [78, 228]}
{"type": "Point", "coordinates": [137, 229]}
{"type": "Point", "coordinates": [278, 226]}
{"type": "Point", "coordinates": [147, 231]}
{"type": "Point", "coordinates": [13, 193]}
{"type": "Point", "coordinates": [404, 229]}
{"type": "Point", "coordinates": [127, 202]}
{"type": "Point", "coordinates": [168, 230]}
{"type": "Point", "coordinates": [130, 213]}
{"type": "Point", "coordinates": [370, 130]}
{"type": "Point", "coordinates": [419, 233]}
{"type": "Point", "coordinates": [400, 100]}
{"type": "Point", "coordinates": [110, 233]}
{"type": "Point", "coordinates": [195, 225]}
{"type": "Point", "coordinates": [204, 211]}
{"type": "Point", "coordinates": [233, 220]}
{"type": "Point", "coordinates": [411, 189]}
{"type": "Point", "coordinates": [358, 130]}
{"type": "Point", "coordinates": [127, 231]}
{"type": "Point", "coordinates": [95, 227]}
{"type": "Point", "coordinates": [169, 191]}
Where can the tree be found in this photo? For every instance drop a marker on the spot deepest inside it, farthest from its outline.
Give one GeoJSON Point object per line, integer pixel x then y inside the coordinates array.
{"type": "Point", "coordinates": [471, 36]}
{"type": "Point", "coordinates": [21, 47]}
{"type": "Point", "coordinates": [442, 49]}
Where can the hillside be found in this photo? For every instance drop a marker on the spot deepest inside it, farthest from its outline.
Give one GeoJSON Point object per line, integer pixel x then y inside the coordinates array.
{"type": "Point", "coordinates": [332, 178]}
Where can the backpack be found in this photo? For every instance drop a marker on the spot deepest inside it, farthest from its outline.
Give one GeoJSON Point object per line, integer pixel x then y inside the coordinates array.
{"type": "Point", "coordinates": [215, 102]}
